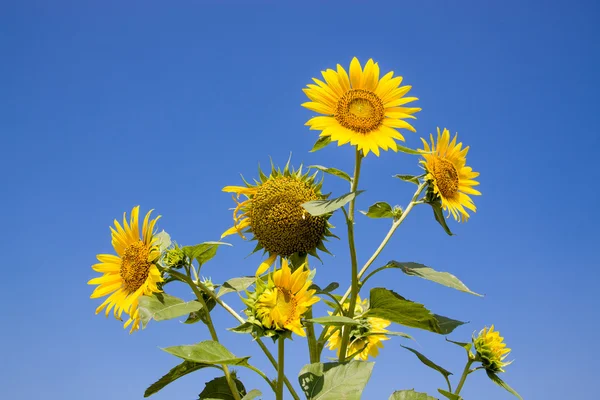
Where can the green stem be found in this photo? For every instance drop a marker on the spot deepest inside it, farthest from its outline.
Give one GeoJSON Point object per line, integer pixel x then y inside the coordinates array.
{"type": "Point", "coordinates": [311, 338]}
{"type": "Point", "coordinates": [280, 373]}
{"type": "Point", "coordinates": [354, 284]}
{"type": "Point", "coordinates": [463, 378]}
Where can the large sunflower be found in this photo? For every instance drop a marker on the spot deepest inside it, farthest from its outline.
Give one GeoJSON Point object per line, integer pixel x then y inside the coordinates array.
{"type": "Point", "coordinates": [360, 108]}
{"type": "Point", "coordinates": [131, 273]}
{"type": "Point", "coordinates": [450, 179]}
{"type": "Point", "coordinates": [273, 213]}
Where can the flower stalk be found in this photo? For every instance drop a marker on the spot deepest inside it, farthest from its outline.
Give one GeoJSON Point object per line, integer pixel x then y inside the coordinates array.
{"type": "Point", "coordinates": [280, 368]}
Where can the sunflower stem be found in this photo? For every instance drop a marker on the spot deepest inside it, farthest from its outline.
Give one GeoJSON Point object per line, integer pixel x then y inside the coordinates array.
{"type": "Point", "coordinates": [311, 338]}
{"type": "Point", "coordinates": [463, 378]}
{"type": "Point", "coordinates": [354, 286]}
{"type": "Point", "coordinates": [280, 373]}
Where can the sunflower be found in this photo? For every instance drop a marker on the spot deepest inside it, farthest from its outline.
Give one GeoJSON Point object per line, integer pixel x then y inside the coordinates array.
{"type": "Point", "coordinates": [131, 273]}
{"type": "Point", "coordinates": [491, 350]}
{"type": "Point", "coordinates": [450, 179]}
{"type": "Point", "coordinates": [365, 339]}
{"type": "Point", "coordinates": [273, 213]}
{"type": "Point", "coordinates": [361, 108]}
{"type": "Point", "coordinates": [279, 303]}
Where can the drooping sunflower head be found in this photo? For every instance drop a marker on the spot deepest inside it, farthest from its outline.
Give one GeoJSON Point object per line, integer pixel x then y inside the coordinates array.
{"type": "Point", "coordinates": [361, 108]}
{"type": "Point", "coordinates": [365, 338]}
{"type": "Point", "coordinates": [450, 179]}
{"type": "Point", "coordinates": [491, 350]}
{"type": "Point", "coordinates": [132, 272]}
{"type": "Point", "coordinates": [279, 303]}
{"type": "Point", "coordinates": [273, 213]}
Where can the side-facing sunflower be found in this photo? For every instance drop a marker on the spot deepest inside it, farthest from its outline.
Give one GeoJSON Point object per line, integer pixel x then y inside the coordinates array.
{"type": "Point", "coordinates": [278, 304]}
{"type": "Point", "coordinates": [450, 179]}
{"type": "Point", "coordinates": [365, 338]}
{"type": "Point", "coordinates": [360, 108]}
{"type": "Point", "coordinates": [131, 273]}
{"type": "Point", "coordinates": [491, 350]}
{"type": "Point", "coordinates": [273, 214]}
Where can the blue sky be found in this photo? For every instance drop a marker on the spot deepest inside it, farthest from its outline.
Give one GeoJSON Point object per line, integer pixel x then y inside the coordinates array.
{"type": "Point", "coordinates": [106, 106]}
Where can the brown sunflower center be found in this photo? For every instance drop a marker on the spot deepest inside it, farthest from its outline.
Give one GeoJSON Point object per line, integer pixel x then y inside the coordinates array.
{"type": "Point", "coordinates": [446, 177]}
{"type": "Point", "coordinates": [286, 305]}
{"type": "Point", "coordinates": [135, 266]}
{"type": "Point", "coordinates": [360, 110]}
{"type": "Point", "coordinates": [278, 220]}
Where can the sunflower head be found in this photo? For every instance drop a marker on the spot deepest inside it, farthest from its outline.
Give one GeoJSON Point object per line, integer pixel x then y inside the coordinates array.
{"type": "Point", "coordinates": [174, 257]}
{"type": "Point", "coordinates": [360, 108]}
{"type": "Point", "coordinates": [132, 272]}
{"type": "Point", "coordinates": [365, 338]}
{"type": "Point", "coordinates": [450, 180]}
{"type": "Point", "coordinates": [272, 212]}
{"type": "Point", "coordinates": [279, 302]}
{"type": "Point", "coordinates": [491, 350]}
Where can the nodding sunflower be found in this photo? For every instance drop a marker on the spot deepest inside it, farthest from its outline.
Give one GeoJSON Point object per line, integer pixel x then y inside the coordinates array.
{"type": "Point", "coordinates": [450, 179]}
{"type": "Point", "coordinates": [273, 214]}
{"type": "Point", "coordinates": [131, 273]}
{"type": "Point", "coordinates": [491, 350]}
{"type": "Point", "coordinates": [279, 303]}
{"type": "Point", "coordinates": [365, 338]}
{"type": "Point", "coordinates": [361, 108]}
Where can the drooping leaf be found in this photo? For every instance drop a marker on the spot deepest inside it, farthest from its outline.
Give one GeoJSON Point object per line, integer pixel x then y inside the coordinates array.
{"type": "Point", "coordinates": [254, 393]}
{"type": "Point", "coordinates": [335, 381]}
{"type": "Point", "coordinates": [449, 395]}
{"type": "Point", "coordinates": [321, 207]}
{"type": "Point", "coordinates": [425, 272]}
{"type": "Point", "coordinates": [236, 285]}
{"type": "Point", "coordinates": [390, 333]}
{"type": "Point", "coordinates": [496, 379]}
{"type": "Point", "coordinates": [409, 178]}
{"type": "Point", "coordinates": [410, 395]}
{"type": "Point", "coordinates": [175, 373]}
{"type": "Point", "coordinates": [321, 143]}
{"type": "Point", "coordinates": [429, 363]}
{"type": "Point", "coordinates": [207, 352]}
{"type": "Point", "coordinates": [438, 213]}
{"type": "Point", "coordinates": [408, 150]}
{"type": "Point", "coordinates": [335, 320]}
{"type": "Point", "coordinates": [218, 389]}
{"type": "Point", "coordinates": [203, 252]}
{"type": "Point", "coordinates": [332, 171]}
{"type": "Point", "coordinates": [161, 306]}
{"type": "Point", "coordinates": [164, 240]}
{"type": "Point", "coordinates": [381, 209]}
{"type": "Point", "coordinates": [389, 305]}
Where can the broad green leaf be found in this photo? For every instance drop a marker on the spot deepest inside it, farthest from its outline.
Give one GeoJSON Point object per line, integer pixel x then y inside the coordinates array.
{"type": "Point", "coordinates": [408, 150]}
{"type": "Point", "coordinates": [381, 209]}
{"type": "Point", "coordinates": [389, 305]}
{"type": "Point", "coordinates": [164, 240]}
{"type": "Point", "coordinates": [439, 215]}
{"type": "Point", "coordinates": [322, 142]}
{"type": "Point", "coordinates": [496, 379]}
{"type": "Point", "coordinates": [203, 252]}
{"type": "Point", "coordinates": [329, 288]}
{"type": "Point", "coordinates": [335, 381]}
{"type": "Point", "coordinates": [409, 178]}
{"type": "Point", "coordinates": [449, 395]}
{"type": "Point", "coordinates": [161, 306]}
{"type": "Point", "coordinates": [175, 373]}
{"type": "Point", "coordinates": [207, 352]}
{"type": "Point", "coordinates": [465, 345]}
{"type": "Point", "coordinates": [194, 317]}
{"type": "Point", "coordinates": [335, 320]}
{"type": "Point", "coordinates": [246, 327]}
{"type": "Point", "coordinates": [236, 285]}
{"type": "Point", "coordinates": [254, 393]}
{"type": "Point", "coordinates": [321, 207]}
{"type": "Point", "coordinates": [332, 171]}
{"type": "Point", "coordinates": [410, 395]}
{"type": "Point", "coordinates": [218, 389]}
{"type": "Point", "coordinates": [429, 363]}
{"type": "Point", "coordinates": [425, 272]}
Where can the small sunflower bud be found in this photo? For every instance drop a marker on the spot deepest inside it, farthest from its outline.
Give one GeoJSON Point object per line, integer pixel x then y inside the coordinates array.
{"type": "Point", "coordinates": [491, 349]}
{"type": "Point", "coordinates": [174, 258]}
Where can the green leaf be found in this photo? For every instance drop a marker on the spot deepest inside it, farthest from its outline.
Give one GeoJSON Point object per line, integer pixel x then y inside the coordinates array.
{"type": "Point", "coordinates": [254, 393]}
{"type": "Point", "coordinates": [496, 379]}
{"type": "Point", "coordinates": [425, 272]}
{"type": "Point", "coordinates": [161, 306]}
{"type": "Point", "coordinates": [389, 333]}
{"type": "Point", "coordinates": [410, 395]}
{"type": "Point", "coordinates": [246, 327]}
{"type": "Point", "coordinates": [389, 305]}
{"type": "Point", "coordinates": [322, 142]}
{"type": "Point", "coordinates": [218, 389]}
{"type": "Point", "coordinates": [429, 363]}
{"type": "Point", "coordinates": [321, 207]}
{"type": "Point", "coordinates": [207, 352]}
{"type": "Point", "coordinates": [236, 285]}
{"type": "Point", "coordinates": [335, 320]}
{"type": "Point", "coordinates": [465, 345]}
{"type": "Point", "coordinates": [335, 381]}
{"type": "Point", "coordinates": [203, 252]}
{"type": "Point", "coordinates": [439, 215]}
{"type": "Point", "coordinates": [329, 288]}
{"type": "Point", "coordinates": [449, 395]}
{"type": "Point", "coordinates": [175, 373]}
{"type": "Point", "coordinates": [409, 178]}
{"type": "Point", "coordinates": [381, 209]}
{"type": "Point", "coordinates": [164, 240]}
{"type": "Point", "coordinates": [408, 150]}
{"type": "Point", "coordinates": [332, 171]}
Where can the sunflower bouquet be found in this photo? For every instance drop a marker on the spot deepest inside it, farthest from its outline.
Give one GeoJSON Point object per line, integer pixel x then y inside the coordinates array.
{"type": "Point", "coordinates": [286, 213]}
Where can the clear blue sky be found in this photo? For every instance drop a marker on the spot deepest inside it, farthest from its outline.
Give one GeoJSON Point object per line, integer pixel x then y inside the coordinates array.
{"type": "Point", "coordinates": [107, 105]}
